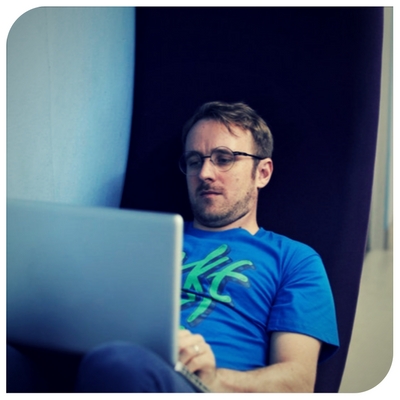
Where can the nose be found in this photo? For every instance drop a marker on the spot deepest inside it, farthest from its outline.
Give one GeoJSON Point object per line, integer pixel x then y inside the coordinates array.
{"type": "Point", "coordinates": [207, 171]}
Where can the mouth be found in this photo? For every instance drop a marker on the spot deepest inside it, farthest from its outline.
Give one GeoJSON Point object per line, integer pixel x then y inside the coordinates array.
{"type": "Point", "coordinates": [208, 193]}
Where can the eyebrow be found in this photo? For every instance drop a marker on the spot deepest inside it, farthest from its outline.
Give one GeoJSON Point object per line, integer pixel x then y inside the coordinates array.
{"type": "Point", "coordinates": [218, 147]}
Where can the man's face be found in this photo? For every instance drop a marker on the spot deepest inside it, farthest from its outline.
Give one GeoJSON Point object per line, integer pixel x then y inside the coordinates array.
{"type": "Point", "coordinates": [219, 198]}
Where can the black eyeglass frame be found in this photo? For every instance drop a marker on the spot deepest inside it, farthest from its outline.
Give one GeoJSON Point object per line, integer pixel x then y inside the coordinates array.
{"type": "Point", "coordinates": [182, 160]}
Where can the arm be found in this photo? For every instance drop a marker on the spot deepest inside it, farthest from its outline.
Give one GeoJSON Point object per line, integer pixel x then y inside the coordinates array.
{"type": "Point", "coordinates": [293, 366]}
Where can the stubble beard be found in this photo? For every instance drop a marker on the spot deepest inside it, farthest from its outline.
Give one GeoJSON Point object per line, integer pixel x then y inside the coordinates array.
{"type": "Point", "coordinates": [223, 215]}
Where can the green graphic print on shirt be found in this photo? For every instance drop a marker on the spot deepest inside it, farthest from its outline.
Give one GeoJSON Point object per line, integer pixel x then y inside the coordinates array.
{"type": "Point", "coordinates": [212, 273]}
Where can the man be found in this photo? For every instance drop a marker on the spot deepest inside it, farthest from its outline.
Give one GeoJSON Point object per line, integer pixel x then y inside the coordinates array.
{"type": "Point", "coordinates": [257, 310]}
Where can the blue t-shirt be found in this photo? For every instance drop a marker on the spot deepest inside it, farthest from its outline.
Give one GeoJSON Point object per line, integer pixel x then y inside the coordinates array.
{"type": "Point", "coordinates": [237, 288]}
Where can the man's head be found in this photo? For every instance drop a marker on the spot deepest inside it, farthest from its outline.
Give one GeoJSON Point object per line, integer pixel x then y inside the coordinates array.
{"type": "Point", "coordinates": [227, 160]}
{"type": "Point", "coordinates": [235, 114]}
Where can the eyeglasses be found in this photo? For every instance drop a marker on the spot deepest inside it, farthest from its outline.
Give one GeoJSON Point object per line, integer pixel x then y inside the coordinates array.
{"type": "Point", "coordinates": [222, 158]}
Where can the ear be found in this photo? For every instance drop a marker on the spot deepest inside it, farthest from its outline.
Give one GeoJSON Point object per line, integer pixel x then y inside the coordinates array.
{"type": "Point", "coordinates": [264, 172]}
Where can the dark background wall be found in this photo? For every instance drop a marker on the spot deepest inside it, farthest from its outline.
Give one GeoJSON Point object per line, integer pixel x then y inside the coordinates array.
{"type": "Point", "coordinates": [314, 75]}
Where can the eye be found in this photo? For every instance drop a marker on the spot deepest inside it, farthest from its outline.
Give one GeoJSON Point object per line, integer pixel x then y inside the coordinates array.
{"type": "Point", "coordinates": [193, 161]}
{"type": "Point", "coordinates": [222, 159]}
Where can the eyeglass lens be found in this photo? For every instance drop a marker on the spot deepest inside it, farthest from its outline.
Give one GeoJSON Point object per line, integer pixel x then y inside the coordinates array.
{"type": "Point", "coordinates": [222, 158]}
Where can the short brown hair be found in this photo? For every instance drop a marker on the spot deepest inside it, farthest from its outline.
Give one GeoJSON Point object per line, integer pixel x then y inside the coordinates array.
{"type": "Point", "coordinates": [235, 114]}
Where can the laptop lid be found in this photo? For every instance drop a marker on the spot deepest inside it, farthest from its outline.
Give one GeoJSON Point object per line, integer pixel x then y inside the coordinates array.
{"type": "Point", "coordinates": [78, 277]}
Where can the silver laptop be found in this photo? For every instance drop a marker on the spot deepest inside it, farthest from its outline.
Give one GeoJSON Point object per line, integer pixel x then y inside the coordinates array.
{"type": "Point", "coordinates": [78, 277]}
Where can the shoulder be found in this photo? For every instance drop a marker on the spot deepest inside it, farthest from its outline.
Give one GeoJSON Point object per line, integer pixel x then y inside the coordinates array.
{"type": "Point", "coordinates": [286, 245]}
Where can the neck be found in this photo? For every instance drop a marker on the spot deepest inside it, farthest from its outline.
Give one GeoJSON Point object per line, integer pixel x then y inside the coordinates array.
{"type": "Point", "coordinates": [251, 227]}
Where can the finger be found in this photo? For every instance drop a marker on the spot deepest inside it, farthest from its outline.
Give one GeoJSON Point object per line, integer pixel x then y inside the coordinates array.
{"type": "Point", "coordinates": [188, 339]}
{"type": "Point", "coordinates": [193, 352]}
{"type": "Point", "coordinates": [203, 365]}
{"type": "Point", "coordinates": [183, 333]}
{"type": "Point", "coordinates": [202, 362]}
{"type": "Point", "coordinates": [190, 351]}
{"type": "Point", "coordinates": [197, 356]}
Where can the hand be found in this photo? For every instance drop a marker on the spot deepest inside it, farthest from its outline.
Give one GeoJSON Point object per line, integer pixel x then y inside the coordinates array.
{"type": "Point", "coordinates": [197, 356]}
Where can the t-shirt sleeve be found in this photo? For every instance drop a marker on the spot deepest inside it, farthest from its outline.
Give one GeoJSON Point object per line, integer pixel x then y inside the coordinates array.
{"type": "Point", "coordinates": [304, 303]}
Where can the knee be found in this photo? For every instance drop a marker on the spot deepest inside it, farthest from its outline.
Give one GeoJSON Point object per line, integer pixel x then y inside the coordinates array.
{"type": "Point", "coordinates": [112, 357]}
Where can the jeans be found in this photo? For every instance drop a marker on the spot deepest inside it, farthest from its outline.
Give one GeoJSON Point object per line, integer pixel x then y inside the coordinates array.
{"type": "Point", "coordinates": [116, 367]}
